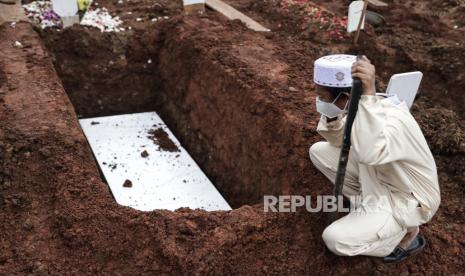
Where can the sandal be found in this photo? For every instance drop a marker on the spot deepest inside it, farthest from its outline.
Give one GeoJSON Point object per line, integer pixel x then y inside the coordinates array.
{"type": "Point", "coordinates": [399, 254]}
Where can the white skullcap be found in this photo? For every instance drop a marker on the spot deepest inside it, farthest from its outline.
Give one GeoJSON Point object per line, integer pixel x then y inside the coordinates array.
{"type": "Point", "coordinates": [334, 70]}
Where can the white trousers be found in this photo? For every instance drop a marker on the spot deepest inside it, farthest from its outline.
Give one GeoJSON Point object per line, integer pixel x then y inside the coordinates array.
{"type": "Point", "coordinates": [367, 231]}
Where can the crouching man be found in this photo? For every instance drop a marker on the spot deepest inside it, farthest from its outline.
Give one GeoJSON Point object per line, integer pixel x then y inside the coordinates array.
{"type": "Point", "coordinates": [390, 165]}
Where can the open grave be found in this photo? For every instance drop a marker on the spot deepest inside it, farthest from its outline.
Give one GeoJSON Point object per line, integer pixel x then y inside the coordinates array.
{"type": "Point", "coordinates": [240, 103]}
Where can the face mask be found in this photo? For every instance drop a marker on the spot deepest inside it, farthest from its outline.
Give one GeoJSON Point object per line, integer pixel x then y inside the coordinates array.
{"type": "Point", "coordinates": [330, 110]}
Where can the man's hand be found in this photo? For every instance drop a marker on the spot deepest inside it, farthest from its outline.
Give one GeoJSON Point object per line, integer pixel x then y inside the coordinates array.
{"type": "Point", "coordinates": [365, 71]}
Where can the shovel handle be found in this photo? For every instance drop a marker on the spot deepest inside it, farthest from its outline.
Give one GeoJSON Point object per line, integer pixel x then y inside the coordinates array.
{"type": "Point", "coordinates": [345, 149]}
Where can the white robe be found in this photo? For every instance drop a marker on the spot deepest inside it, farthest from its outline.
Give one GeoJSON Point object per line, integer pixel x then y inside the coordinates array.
{"type": "Point", "coordinates": [390, 165]}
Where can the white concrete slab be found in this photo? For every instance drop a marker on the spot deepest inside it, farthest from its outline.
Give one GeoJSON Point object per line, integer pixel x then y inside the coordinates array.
{"type": "Point", "coordinates": [162, 180]}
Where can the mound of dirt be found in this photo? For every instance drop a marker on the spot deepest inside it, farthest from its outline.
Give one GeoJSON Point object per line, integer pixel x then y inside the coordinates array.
{"type": "Point", "coordinates": [443, 129]}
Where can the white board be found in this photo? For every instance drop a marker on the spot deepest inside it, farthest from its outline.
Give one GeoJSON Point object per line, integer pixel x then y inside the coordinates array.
{"type": "Point", "coordinates": [405, 86]}
{"type": "Point", "coordinates": [191, 2]}
{"type": "Point", "coordinates": [65, 7]}
{"type": "Point", "coordinates": [161, 180]}
{"type": "Point", "coordinates": [354, 15]}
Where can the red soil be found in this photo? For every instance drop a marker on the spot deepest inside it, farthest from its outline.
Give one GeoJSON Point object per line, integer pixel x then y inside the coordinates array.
{"type": "Point", "coordinates": [241, 103]}
{"type": "Point", "coordinates": [127, 183]}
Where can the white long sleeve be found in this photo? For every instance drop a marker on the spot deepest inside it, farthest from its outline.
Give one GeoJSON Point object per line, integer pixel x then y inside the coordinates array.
{"type": "Point", "coordinates": [380, 133]}
{"type": "Point", "coordinates": [387, 138]}
{"type": "Point", "coordinates": [332, 131]}
{"type": "Point", "coordinates": [383, 133]}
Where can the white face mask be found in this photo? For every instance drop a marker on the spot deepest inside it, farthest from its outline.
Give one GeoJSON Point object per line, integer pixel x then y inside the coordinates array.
{"type": "Point", "coordinates": [330, 110]}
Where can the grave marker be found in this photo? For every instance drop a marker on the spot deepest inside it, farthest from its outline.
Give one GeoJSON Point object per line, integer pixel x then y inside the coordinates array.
{"type": "Point", "coordinates": [354, 16]}
{"type": "Point", "coordinates": [361, 21]}
{"type": "Point", "coordinates": [67, 10]}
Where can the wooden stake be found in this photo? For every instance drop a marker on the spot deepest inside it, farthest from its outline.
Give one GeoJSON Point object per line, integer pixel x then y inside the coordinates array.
{"type": "Point", "coordinates": [233, 14]}
{"type": "Point", "coordinates": [357, 34]}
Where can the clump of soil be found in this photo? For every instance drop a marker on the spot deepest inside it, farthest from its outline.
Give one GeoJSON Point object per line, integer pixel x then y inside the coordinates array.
{"type": "Point", "coordinates": [113, 166]}
{"type": "Point", "coordinates": [127, 184]}
{"type": "Point", "coordinates": [144, 154]}
{"type": "Point", "coordinates": [161, 138]}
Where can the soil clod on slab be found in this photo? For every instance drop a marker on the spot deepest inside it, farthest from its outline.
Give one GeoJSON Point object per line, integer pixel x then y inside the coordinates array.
{"type": "Point", "coordinates": [112, 166]}
{"type": "Point", "coordinates": [161, 138]}
{"type": "Point", "coordinates": [127, 184]}
{"type": "Point", "coordinates": [144, 154]}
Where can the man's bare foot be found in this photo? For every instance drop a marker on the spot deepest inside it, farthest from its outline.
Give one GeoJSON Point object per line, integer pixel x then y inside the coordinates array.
{"type": "Point", "coordinates": [412, 232]}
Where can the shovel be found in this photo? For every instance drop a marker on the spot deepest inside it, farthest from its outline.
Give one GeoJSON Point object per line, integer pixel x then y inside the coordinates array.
{"type": "Point", "coordinates": [355, 94]}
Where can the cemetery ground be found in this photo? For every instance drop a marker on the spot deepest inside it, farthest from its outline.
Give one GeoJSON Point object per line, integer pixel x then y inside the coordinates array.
{"type": "Point", "coordinates": [242, 103]}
